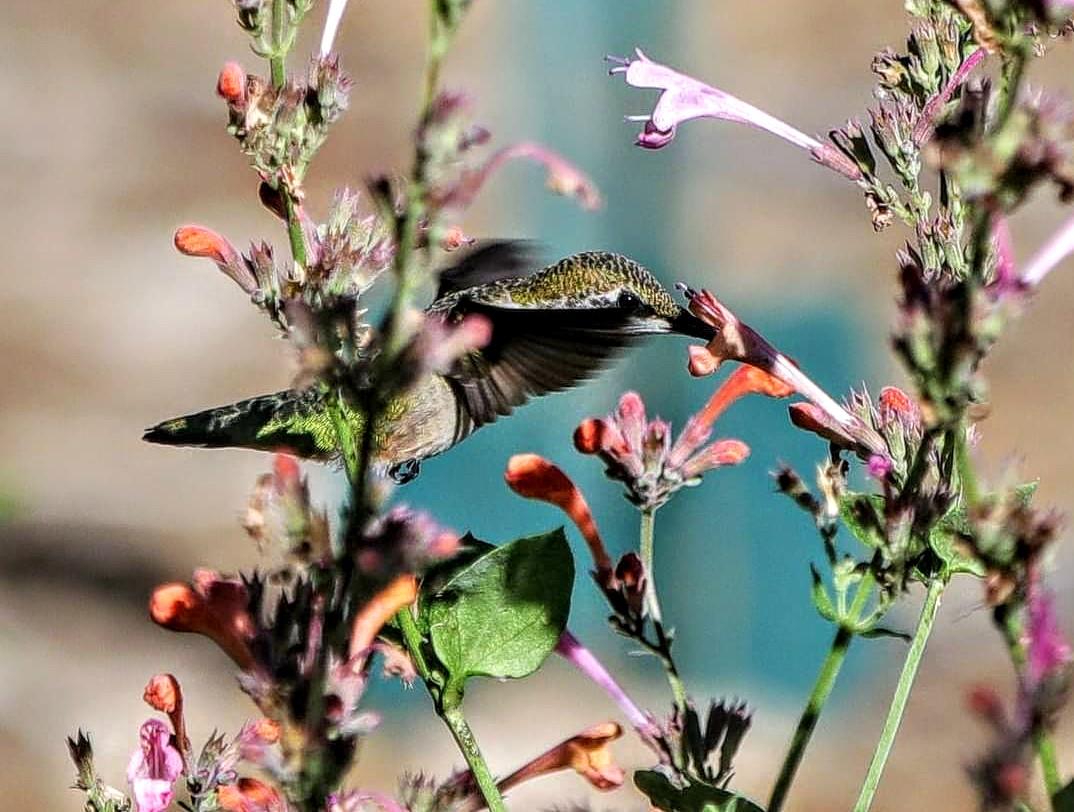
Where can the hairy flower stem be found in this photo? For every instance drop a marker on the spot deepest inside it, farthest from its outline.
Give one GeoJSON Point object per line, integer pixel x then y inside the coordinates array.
{"type": "Point", "coordinates": [902, 694]}
{"type": "Point", "coordinates": [278, 59]}
{"type": "Point", "coordinates": [648, 521]}
{"type": "Point", "coordinates": [818, 698]}
{"type": "Point", "coordinates": [662, 648]}
{"type": "Point", "coordinates": [483, 777]}
{"type": "Point", "coordinates": [1010, 622]}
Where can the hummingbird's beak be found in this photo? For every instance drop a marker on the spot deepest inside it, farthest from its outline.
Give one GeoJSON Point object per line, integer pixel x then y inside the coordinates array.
{"type": "Point", "coordinates": [687, 324]}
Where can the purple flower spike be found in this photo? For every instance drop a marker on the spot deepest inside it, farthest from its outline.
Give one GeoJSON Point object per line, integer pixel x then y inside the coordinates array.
{"type": "Point", "coordinates": [684, 98]}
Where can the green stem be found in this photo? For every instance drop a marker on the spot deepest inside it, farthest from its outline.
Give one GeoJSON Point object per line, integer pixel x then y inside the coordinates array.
{"type": "Point", "coordinates": [902, 694]}
{"type": "Point", "coordinates": [648, 521]}
{"type": "Point", "coordinates": [483, 777]}
{"type": "Point", "coordinates": [279, 57]}
{"type": "Point", "coordinates": [822, 689]}
{"type": "Point", "coordinates": [447, 704]}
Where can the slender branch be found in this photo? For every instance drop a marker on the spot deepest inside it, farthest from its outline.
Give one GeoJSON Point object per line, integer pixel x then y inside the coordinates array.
{"type": "Point", "coordinates": [902, 694]}
{"type": "Point", "coordinates": [818, 698]}
{"type": "Point", "coordinates": [648, 520]}
{"type": "Point", "coordinates": [277, 61]}
{"type": "Point", "coordinates": [464, 737]}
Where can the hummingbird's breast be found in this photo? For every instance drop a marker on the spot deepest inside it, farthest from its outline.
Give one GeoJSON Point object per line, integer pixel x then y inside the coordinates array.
{"type": "Point", "coordinates": [422, 422]}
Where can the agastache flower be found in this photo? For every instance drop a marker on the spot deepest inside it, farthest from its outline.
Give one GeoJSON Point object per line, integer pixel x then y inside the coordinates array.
{"type": "Point", "coordinates": [379, 609]}
{"type": "Point", "coordinates": [404, 540]}
{"type": "Point", "coordinates": [587, 753]}
{"type": "Point", "coordinates": [683, 98]}
{"type": "Point", "coordinates": [212, 606]}
{"type": "Point", "coordinates": [249, 795]}
{"type": "Point", "coordinates": [163, 694]}
{"type": "Point", "coordinates": [1054, 251]}
{"type": "Point", "coordinates": [1048, 653]}
{"type": "Point", "coordinates": [154, 768]}
{"type": "Point", "coordinates": [198, 241]}
{"type": "Point", "coordinates": [534, 477]}
{"type": "Point", "coordinates": [570, 649]}
{"type": "Point", "coordinates": [563, 177]}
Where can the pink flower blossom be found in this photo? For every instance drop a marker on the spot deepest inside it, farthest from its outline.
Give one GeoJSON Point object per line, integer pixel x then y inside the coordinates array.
{"type": "Point", "coordinates": [1048, 652]}
{"type": "Point", "coordinates": [571, 650]}
{"type": "Point", "coordinates": [683, 98]}
{"type": "Point", "coordinates": [154, 768]}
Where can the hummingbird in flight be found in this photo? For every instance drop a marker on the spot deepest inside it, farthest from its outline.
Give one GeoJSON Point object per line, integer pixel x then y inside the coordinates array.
{"type": "Point", "coordinates": [551, 329]}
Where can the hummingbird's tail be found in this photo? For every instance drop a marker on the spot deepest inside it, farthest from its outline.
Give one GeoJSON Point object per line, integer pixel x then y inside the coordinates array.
{"type": "Point", "coordinates": [291, 421]}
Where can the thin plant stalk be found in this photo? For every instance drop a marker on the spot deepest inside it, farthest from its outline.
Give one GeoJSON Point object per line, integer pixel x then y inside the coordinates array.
{"type": "Point", "coordinates": [902, 694]}
{"type": "Point", "coordinates": [662, 649]}
{"type": "Point", "coordinates": [818, 698]}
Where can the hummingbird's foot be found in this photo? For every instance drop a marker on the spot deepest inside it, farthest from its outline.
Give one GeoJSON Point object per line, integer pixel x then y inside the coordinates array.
{"type": "Point", "coordinates": [403, 472]}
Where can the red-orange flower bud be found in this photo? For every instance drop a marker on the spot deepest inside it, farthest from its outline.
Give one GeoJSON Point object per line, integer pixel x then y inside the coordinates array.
{"type": "Point", "coordinates": [231, 84]}
{"type": "Point", "coordinates": [198, 241]}
{"type": "Point", "coordinates": [249, 795]}
{"type": "Point", "coordinates": [534, 477]}
{"type": "Point", "coordinates": [163, 693]}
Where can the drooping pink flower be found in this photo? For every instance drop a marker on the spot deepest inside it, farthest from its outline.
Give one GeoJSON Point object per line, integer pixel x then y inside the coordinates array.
{"type": "Point", "coordinates": [683, 98]}
{"type": "Point", "coordinates": [198, 241]}
{"type": "Point", "coordinates": [154, 768]}
{"type": "Point", "coordinates": [570, 649]}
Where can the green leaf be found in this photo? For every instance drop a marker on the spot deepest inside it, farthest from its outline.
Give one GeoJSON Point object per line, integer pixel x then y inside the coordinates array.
{"type": "Point", "coordinates": [1063, 800]}
{"type": "Point", "coordinates": [883, 631]}
{"type": "Point", "coordinates": [853, 507]}
{"type": "Point", "coordinates": [664, 795]}
{"type": "Point", "coordinates": [501, 615]}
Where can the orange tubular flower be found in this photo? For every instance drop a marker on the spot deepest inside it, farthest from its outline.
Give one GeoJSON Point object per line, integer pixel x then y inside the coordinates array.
{"type": "Point", "coordinates": [212, 606]}
{"type": "Point", "coordinates": [249, 795]}
{"type": "Point", "coordinates": [401, 592]}
{"type": "Point", "coordinates": [534, 477]}
{"type": "Point", "coordinates": [746, 380]}
{"type": "Point", "coordinates": [198, 241]}
{"type": "Point", "coordinates": [588, 754]}
{"type": "Point", "coordinates": [163, 694]}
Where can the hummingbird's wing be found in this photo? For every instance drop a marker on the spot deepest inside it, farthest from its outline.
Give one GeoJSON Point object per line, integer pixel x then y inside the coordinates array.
{"type": "Point", "coordinates": [533, 352]}
{"type": "Point", "coordinates": [490, 262]}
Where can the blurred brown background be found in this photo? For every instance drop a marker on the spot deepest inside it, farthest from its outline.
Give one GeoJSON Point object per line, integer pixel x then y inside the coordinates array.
{"type": "Point", "coordinates": [112, 136]}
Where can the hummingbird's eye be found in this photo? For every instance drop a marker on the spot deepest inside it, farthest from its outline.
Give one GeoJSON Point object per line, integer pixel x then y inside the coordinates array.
{"type": "Point", "coordinates": [629, 301]}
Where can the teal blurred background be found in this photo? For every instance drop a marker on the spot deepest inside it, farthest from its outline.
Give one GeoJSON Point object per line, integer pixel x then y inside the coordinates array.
{"type": "Point", "coordinates": [114, 137]}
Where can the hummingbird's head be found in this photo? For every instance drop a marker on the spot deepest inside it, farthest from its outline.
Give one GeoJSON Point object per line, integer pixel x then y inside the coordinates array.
{"type": "Point", "coordinates": [600, 280]}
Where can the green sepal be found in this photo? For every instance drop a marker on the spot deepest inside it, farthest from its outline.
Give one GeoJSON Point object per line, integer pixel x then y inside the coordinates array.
{"type": "Point", "coordinates": [694, 797]}
{"type": "Point", "coordinates": [501, 614]}
{"type": "Point", "coordinates": [819, 593]}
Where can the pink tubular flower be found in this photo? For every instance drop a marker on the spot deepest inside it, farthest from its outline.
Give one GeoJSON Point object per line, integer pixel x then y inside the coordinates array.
{"type": "Point", "coordinates": [571, 650]}
{"type": "Point", "coordinates": [683, 98]}
{"type": "Point", "coordinates": [1054, 251]}
{"type": "Point", "coordinates": [154, 768]}
{"type": "Point", "coordinates": [563, 178]}
{"type": "Point", "coordinates": [639, 452]}
{"type": "Point", "coordinates": [927, 122]}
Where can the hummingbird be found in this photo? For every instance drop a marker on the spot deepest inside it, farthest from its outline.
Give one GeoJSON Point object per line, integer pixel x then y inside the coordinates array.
{"type": "Point", "coordinates": [551, 329]}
